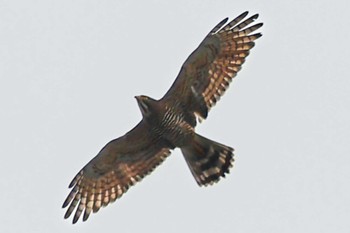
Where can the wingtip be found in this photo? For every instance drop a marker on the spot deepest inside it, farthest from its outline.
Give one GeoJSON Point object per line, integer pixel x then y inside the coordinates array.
{"type": "Point", "coordinates": [75, 219]}
{"type": "Point", "coordinates": [86, 216]}
{"type": "Point", "coordinates": [258, 35]}
{"type": "Point", "coordinates": [224, 20]}
{"type": "Point", "coordinates": [64, 205]}
{"type": "Point", "coordinates": [258, 25]}
{"type": "Point", "coordinates": [71, 184]}
{"type": "Point", "coordinates": [66, 215]}
{"type": "Point", "coordinates": [245, 13]}
{"type": "Point", "coordinates": [66, 202]}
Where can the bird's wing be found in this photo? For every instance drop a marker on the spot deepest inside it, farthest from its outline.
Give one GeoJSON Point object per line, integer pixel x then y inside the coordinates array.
{"type": "Point", "coordinates": [120, 164]}
{"type": "Point", "coordinates": [207, 72]}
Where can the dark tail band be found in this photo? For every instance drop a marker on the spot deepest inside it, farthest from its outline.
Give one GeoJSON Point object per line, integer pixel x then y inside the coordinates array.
{"type": "Point", "coordinates": [208, 160]}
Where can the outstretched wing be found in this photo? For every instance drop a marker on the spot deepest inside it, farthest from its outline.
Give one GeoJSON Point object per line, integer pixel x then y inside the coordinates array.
{"type": "Point", "coordinates": [120, 164]}
{"type": "Point", "coordinates": [207, 72]}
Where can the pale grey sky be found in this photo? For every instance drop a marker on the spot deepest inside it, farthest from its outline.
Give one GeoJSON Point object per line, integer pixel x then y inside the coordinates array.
{"type": "Point", "coordinates": [68, 74]}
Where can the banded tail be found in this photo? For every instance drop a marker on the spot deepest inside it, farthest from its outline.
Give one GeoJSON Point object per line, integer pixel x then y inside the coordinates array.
{"type": "Point", "coordinates": [208, 160]}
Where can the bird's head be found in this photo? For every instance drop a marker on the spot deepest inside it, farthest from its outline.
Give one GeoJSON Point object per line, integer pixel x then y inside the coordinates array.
{"type": "Point", "coordinates": [146, 105]}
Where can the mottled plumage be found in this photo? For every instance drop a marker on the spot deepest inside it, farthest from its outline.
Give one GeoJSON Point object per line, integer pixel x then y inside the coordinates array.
{"type": "Point", "coordinates": [169, 123]}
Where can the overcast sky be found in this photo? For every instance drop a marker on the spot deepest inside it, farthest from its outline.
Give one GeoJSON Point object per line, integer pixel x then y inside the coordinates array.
{"type": "Point", "coordinates": [68, 74]}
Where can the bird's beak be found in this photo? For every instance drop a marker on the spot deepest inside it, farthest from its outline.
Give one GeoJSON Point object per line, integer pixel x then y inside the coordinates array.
{"type": "Point", "coordinates": [139, 99]}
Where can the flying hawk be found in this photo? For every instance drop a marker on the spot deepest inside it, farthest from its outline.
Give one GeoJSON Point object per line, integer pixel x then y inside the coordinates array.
{"type": "Point", "coordinates": [169, 123]}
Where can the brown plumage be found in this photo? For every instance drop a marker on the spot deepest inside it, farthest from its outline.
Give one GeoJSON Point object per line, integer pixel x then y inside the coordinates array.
{"type": "Point", "coordinates": [169, 123]}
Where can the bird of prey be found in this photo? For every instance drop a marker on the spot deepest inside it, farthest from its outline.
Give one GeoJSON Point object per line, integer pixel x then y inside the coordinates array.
{"type": "Point", "coordinates": [169, 123]}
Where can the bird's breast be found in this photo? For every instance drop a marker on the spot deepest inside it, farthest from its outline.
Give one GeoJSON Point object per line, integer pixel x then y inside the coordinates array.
{"type": "Point", "coordinates": [175, 129]}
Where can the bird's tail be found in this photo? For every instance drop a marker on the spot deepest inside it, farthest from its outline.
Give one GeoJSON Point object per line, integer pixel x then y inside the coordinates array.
{"type": "Point", "coordinates": [208, 160]}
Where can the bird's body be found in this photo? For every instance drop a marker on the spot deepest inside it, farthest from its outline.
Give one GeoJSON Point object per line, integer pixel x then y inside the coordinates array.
{"type": "Point", "coordinates": [170, 123]}
{"type": "Point", "coordinates": [175, 129]}
{"type": "Point", "coordinates": [165, 121]}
